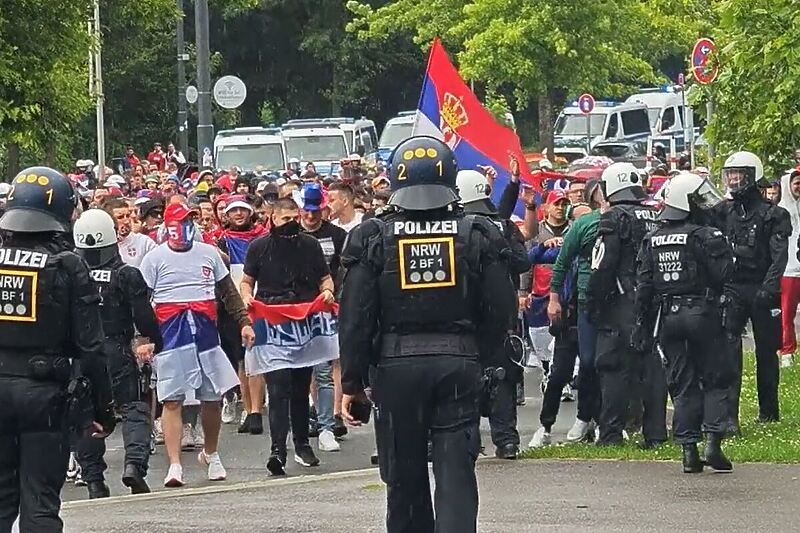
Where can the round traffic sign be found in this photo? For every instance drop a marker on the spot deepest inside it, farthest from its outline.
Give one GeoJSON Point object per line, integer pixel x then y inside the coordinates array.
{"type": "Point", "coordinates": [703, 70]}
{"type": "Point", "coordinates": [191, 94]}
{"type": "Point", "coordinates": [230, 92]}
{"type": "Point", "coordinates": [586, 103]}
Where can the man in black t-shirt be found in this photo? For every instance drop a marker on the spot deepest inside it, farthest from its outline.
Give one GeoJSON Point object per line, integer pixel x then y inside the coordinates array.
{"type": "Point", "coordinates": [326, 375]}
{"type": "Point", "coordinates": [288, 267]}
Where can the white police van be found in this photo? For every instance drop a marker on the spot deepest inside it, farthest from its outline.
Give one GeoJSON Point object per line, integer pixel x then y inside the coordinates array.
{"type": "Point", "coordinates": [323, 144]}
{"type": "Point", "coordinates": [608, 121]}
{"type": "Point", "coordinates": [665, 107]}
{"type": "Point", "coordinates": [397, 129]}
{"type": "Point", "coordinates": [249, 148]}
{"type": "Point", "coordinates": [360, 135]}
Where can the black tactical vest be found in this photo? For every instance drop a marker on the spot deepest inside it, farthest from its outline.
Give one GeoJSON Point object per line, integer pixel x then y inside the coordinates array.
{"type": "Point", "coordinates": [115, 310]}
{"type": "Point", "coordinates": [750, 242]}
{"type": "Point", "coordinates": [676, 268]}
{"type": "Point", "coordinates": [633, 223]}
{"type": "Point", "coordinates": [429, 275]}
{"type": "Point", "coordinates": [34, 301]}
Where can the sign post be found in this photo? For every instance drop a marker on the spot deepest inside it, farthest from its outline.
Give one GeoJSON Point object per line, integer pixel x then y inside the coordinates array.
{"type": "Point", "coordinates": [586, 105]}
{"type": "Point", "coordinates": [229, 92]}
{"type": "Point", "coordinates": [191, 94]}
{"type": "Point", "coordinates": [705, 72]}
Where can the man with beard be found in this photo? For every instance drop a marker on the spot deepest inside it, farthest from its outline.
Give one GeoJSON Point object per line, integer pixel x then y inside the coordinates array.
{"type": "Point", "coordinates": [234, 241]}
{"type": "Point", "coordinates": [132, 246]}
{"type": "Point", "coordinates": [331, 238]}
{"type": "Point", "coordinates": [290, 268]}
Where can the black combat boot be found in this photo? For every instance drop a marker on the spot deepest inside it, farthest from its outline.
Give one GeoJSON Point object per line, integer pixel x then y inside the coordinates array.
{"type": "Point", "coordinates": [98, 489]}
{"type": "Point", "coordinates": [133, 479]}
{"type": "Point", "coordinates": [508, 451]}
{"type": "Point", "coordinates": [714, 456]}
{"type": "Point", "coordinates": [691, 459]}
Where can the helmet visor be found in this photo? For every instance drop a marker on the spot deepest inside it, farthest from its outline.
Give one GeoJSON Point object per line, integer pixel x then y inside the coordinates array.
{"type": "Point", "coordinates": [706, 196]}
{"type": "Point", "coordinates": [737, 179]}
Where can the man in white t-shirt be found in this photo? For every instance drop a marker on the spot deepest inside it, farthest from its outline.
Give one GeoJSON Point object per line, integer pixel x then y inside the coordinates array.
{"type": "Point", "coordinates": [185, 277]}
{"type": "Point", "coordinates": [132, 246]}
{"type": "Point", "coordinates": [341, 198]}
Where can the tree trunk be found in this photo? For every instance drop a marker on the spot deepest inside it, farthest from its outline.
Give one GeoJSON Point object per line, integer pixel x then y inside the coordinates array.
{"type": "Point", "coordinates": [12, 160]}
{"type": "Point", "coordinates": [50, 153]}
{"type": "Point", "coordinates": [546, 124]}
{"type": "Point", "coordinates": [336, 105]}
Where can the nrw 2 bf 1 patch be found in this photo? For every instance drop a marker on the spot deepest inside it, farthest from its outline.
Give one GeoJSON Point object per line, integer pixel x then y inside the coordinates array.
{"type": "Point", "coordinates": [18, 295]}
{"type": "Point", "coordinates": [427, 263]}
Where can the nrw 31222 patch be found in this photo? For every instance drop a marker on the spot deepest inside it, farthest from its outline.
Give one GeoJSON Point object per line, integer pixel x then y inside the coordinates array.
{"type": "Point", "coordinates": [427, 263]}
{"type": "Point", "coordinates": [18, 295]}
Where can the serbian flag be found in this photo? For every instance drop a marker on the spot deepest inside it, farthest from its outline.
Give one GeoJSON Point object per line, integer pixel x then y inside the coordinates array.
{"type": "Point", "coordinates": [236, 243]}
{"type": "Point", "coordinates": [191, 354]}
{"type": "Point", "coordinates": [450, 111]}
{"type": "Point", "coordinates": [292, 336]}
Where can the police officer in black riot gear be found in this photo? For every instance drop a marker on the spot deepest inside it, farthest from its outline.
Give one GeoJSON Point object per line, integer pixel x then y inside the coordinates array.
{"type": "Point", "coordinates": [622, 369]}
{"type": "Point", "coordinates": [53, 376]}
{"type": "Point", "coordinates": [475, 193]}
{"type": "Point", "coordinates": [422, 282]}
{"type": "Point", "coordinates": [683, 268]}
{"type": "Point", "coordinates": [758, 231]}
{"type": "Point", "coordinates": [125, 302]}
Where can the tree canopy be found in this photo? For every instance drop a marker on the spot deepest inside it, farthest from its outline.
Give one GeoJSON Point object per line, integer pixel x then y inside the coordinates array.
{"type": "Point", "coordinates": [302, 58]}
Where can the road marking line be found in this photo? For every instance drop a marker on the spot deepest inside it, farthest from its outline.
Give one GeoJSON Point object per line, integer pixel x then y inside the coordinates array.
{"type": "Point", "coordinates": [217, 489]}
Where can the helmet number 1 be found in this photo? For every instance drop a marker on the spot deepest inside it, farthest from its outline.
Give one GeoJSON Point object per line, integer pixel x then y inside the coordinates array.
{"type": "Point", "coordinates": [440, 167]}
{"type": "Point", "coordinates": [401, 172]}
{"type": "Point", "coordinates": [49, 193]}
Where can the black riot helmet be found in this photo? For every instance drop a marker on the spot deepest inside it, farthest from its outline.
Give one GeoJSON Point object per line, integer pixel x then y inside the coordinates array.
{"type": "Point", "coordinates": [41, 199]}
{"type": "Point", "coordinates": [423, 174]}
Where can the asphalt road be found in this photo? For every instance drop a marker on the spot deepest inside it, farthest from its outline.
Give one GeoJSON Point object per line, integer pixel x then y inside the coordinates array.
{"type": "Point", "coordinates": [516, 497]}
{"type": "Point", "coordinates": [244, 456]}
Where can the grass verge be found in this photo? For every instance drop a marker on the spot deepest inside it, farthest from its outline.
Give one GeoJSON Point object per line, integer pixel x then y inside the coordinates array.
{"type": "Point", "coordinates": [772, 443]}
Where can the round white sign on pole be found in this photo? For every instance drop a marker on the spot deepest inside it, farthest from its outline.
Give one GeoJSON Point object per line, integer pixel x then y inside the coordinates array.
{"type": "Point", "coordinates": [191, 94]}
{"type": "Point", "coordinates": [229, 92]}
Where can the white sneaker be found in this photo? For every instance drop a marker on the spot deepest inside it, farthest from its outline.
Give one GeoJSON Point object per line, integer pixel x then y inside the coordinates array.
{"type": "Point", "coordinates": [567, 395]}
{"type": "Point", "coordinates": [228, 411]}
{"type": "Point", "coordinates": [174, 476]}
{"type": "Point", "coordinates": [187, 440]}
{"type": "Point", "coordinates": [578, 431]}
{"type": "Point", "coordinates": [786, 360]}
{"type": "Point", "coordinates": [73, 468]}
{"type": "Point", "coordinates": [199, 436]}
{"type": "Point", "coordinates": [327, 442]}
{"type": "Point", "coordinates": [216, 472]}
{"type": "Point", "coordinates": [158, 432]}
{"type": "Point", "coordinates": [540, 439]}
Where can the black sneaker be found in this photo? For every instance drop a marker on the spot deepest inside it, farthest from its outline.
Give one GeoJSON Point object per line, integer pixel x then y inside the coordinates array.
{"type": "Point", "coordinates": [276, 464]}
{"type": "Point", "coordinates": [305, 456]}
{"type": "Point", "coordinates": [339, 429]}
{"type": "Point", "coordinates": [244, 427]}
{"type": "Point", "coordinates": [256, 423]}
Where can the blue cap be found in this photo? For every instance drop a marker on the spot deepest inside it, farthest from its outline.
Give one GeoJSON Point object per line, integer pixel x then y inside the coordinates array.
{"type": "Point", "coordinates": [311, 197]}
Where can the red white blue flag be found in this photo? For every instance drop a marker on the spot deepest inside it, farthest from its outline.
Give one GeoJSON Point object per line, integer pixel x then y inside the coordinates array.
{"type": "Point", "coordinates": [450, 111]}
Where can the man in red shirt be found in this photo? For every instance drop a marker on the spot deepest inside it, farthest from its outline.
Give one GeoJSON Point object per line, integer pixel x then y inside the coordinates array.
{"type": "Point", "coordinates": [157, 157]}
